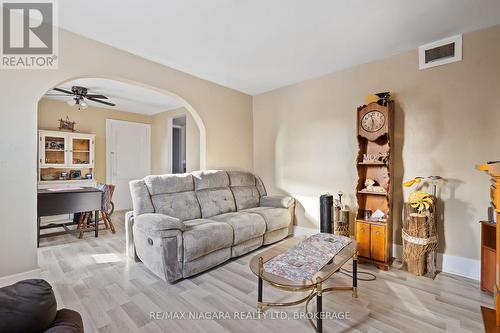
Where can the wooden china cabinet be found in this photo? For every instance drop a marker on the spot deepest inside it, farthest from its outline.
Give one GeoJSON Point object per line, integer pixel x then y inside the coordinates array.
{"type": "Point", "coordinates": [65, 159]}
{"type": "Point", "coordinates": [374, 186]}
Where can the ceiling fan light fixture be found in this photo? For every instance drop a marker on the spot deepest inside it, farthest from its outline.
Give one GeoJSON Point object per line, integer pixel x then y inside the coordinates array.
{"type": "Point", "coordinates": [80, 95]}
{"type": "Point", "coordinates": [83, 105]}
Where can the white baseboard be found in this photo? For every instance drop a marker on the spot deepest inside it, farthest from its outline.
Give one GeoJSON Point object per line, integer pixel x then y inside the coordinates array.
{"type": "Point", "coordinates": [11, 279]}
{"type": "Point", "coordinates": [466, 267]}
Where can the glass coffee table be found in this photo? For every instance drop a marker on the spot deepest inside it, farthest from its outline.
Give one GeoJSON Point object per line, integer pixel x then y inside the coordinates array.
{"type": "Point", "coordinates": [313, 284]}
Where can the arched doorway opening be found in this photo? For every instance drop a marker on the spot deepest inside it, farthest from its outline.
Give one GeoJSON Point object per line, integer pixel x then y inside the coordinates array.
{"type": "Point", "coordinates": [192, 111]}
{"type": "Point", "coordinates": [124, 103]}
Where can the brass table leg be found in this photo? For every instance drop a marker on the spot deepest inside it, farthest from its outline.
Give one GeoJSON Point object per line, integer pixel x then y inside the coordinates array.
{"type": "Point", "coordinates": [319, 306]}
{"type": "Point", "coordinates": [355, 275]}
{"type": "Point", "coordinates": [259, 292]}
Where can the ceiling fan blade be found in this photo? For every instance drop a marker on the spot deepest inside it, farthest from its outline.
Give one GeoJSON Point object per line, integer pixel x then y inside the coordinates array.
{"type": "Point", "coordinates": [96, 96]}
{"type": "Point", "coordinates": [64, 91]}
{"type": "Point", "coordinates": [98, 101]}
{"type": "Point", "coordinates": [60, 95]}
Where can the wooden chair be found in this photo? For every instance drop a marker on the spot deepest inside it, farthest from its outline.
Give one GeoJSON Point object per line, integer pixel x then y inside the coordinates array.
{"type": "Point", "coordinates": [106, 207]}
{"type": "Point", "coordinates": [83, 222]}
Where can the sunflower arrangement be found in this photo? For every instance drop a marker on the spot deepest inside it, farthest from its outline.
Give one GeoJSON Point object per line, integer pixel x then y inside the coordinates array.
{"type": "Point", "coordinates": [419, 232]}
{"type": "Point", "coordinates": [420, 200]}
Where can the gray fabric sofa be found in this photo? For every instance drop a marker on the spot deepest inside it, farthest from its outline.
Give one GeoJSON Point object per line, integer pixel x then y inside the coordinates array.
{"type": "Point", "coordinates": [184, 224]}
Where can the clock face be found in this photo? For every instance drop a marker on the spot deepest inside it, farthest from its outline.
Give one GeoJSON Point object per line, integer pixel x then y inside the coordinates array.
{"type": "Point", "coordinates": [373, 121]}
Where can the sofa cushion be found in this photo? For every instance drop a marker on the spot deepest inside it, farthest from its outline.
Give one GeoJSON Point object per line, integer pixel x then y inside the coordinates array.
{"type": "Point", "coordinates": [275, 235]}
{"type": "Point", "coordinates": [141, 198]}
{"type": "Point", "coordinates": [246, 194]}
{"type": "Point", "coordinates": [203, 236]}
{"type": "Point", "coordinates": [182, 205]}
{"type": "Point", "coordinates": [245, 197]}
{"type": "Point", "coordinates": [245, 225]}
{"type": "Point", "coordinates": [277, 201]}
{"type": "Point", "coordinates": [206, 262]}
{"type": "Point", "coordinates": [276, 218]}
{"type": "Point", "coordinates": [210, 179]}
{"type": "Point", "coordinates": [260, 186]}
{"type": "Point", "coordinates": [27, 306]}
{"type": "Point", "coordinates": [161, 184]}
{"type": "Point", "coordinates": [246, 246]}
{"type": "Point", "coordinates": [241, 178]}
{"type": "Point", "coordinates": [215, 201]}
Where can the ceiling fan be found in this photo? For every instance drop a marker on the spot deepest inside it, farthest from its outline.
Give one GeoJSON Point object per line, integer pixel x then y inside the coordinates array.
{"type": "Point", "coordinates": [80, 95]}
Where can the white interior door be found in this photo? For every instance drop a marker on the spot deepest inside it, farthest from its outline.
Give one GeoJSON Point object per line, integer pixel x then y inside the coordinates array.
{"type": "Point", "coordinates": [128, 157]}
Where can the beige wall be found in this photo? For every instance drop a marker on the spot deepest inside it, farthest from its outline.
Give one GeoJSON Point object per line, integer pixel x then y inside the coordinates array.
{"type": "Point", "coordinates": [226, 114]}
{"type": "Point", "coordinates": [160, 141]}
{"type": "Point", "coordinates": [447, 120]}
{"type": "Point", "coordinates": [91, 120]}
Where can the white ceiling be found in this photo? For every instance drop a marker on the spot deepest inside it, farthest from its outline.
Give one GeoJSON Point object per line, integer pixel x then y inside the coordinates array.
{"type": "Point", "coordinates": [259, 45]}
{"type": "Point", "coordinates": [127, 97]}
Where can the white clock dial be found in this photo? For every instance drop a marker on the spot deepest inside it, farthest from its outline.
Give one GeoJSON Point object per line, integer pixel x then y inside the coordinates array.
{"type": "Point", "coordinates": [373, 121]}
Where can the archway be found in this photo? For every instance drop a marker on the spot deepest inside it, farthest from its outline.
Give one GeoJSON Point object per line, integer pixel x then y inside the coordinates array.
{"type": "Point", "coordinates": [195, 115]}
{"type": "Point", "coordinates": [101, 139]}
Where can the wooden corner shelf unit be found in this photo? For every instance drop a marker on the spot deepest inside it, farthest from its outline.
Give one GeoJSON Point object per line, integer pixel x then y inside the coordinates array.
{"type": "Point", "coordinates": [374, 237]}
{"type": "Point", "coordinates": [490, 256]}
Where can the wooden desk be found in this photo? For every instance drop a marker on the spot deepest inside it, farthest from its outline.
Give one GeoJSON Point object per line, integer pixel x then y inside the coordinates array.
{"type": "Point", "coordinates": [68, 201]}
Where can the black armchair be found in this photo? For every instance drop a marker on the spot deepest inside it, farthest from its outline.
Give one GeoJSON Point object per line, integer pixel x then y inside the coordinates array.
{"type": "Point", "coordinates": [30, 306]}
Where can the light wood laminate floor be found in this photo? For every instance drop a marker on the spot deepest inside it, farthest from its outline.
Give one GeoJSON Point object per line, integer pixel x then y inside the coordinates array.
{"type": "Point", "coordinates": [115, 294]}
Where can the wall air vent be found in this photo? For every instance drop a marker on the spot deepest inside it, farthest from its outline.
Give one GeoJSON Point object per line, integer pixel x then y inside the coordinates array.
{"type": "Point", "coordinates": [441, 52]}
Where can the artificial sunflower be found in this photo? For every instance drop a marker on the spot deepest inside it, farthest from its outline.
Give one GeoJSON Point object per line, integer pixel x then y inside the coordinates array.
{"type": "Point", "coordinates": [420, 200]}
{"type": "Point", "coordinates": [413, 181]}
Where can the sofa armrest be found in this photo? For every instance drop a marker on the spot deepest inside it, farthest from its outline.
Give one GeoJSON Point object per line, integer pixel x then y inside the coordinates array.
{"type": "Point", "coordinates": [277, 201]}
{"type": "Point", "coordinates": [158, 224]}
{"type": "Point", "coordinates": [67, 321]}
{"type": "Point", "coordinates": [158, 243]}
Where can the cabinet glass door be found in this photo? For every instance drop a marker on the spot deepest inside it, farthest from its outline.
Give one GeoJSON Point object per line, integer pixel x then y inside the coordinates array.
{"type": "Point", "coordinates": [54, 150]}
{"type": "Point", "coordinates": [81, 152]}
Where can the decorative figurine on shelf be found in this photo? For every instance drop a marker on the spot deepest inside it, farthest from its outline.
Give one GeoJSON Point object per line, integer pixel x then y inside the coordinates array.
{"type": "Point", "coordinates": [75, 174]}
{"type": "Point", "coordinates": [368, 158]}
{"type": "Point", "coordinates": [381, 98]}
{"type": "Point", "coordinates": [66, 125]}
{"type": "Point", "coordinates": [371, 187]}
{"type": "Point", "coordinates": [379, 158]}
{"type": "Point", "coordinates": [383, 157]}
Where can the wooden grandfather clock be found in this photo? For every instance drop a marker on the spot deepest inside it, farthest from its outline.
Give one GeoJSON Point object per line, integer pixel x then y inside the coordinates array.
{"type": "Point", "coordinates": [373, 224]}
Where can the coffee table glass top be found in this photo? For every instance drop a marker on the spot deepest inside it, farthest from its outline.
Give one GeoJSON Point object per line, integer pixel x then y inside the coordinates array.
{"type": "Point", "coordinates": [328, 270]}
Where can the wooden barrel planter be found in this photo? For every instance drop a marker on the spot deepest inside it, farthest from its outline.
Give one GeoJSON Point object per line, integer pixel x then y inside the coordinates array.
{"type": "Point", "coordinates": [420, 241]}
